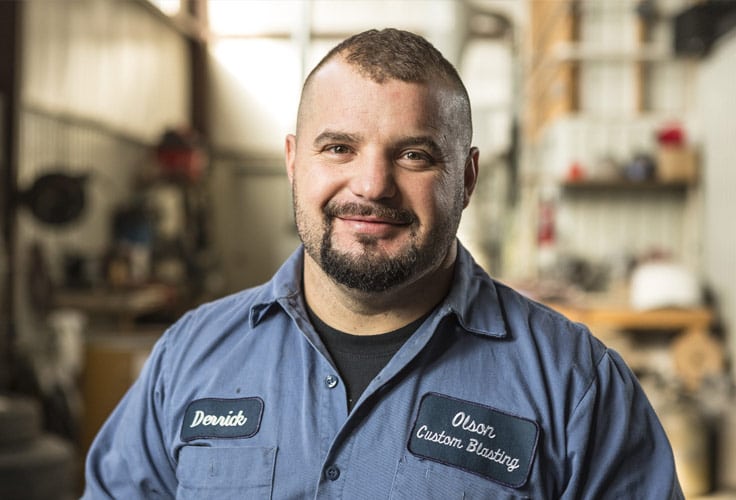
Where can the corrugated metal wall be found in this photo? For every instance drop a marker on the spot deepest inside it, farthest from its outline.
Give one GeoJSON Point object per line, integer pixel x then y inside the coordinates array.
{"type": "Point", "coordinates": [102, 80]}
{"type": "Point", "coordinates": [105, 60]}
{"type": "Point", "coordinates": [630, 85]}
{"type": "Point", "coordinates": [717, 99]}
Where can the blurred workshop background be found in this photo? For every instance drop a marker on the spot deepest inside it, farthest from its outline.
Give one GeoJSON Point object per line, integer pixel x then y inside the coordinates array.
{"type": "Point", "coordinates": [141, 173]}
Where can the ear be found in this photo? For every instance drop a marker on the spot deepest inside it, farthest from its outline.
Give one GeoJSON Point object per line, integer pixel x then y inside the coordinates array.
{"type": "Point", "coordinates": [290, 156]}
{"type": "Point", "coordinates": [470, 174]}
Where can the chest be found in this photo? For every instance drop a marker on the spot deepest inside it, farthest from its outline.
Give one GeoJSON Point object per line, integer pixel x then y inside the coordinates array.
{"type": "Point", "coordinates": [455, 418]}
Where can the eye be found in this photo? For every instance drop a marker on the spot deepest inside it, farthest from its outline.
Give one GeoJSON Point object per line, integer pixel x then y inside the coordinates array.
{"type": "Point", "coordinates": [338, 149]}
{"type": "Point", "coordinates": [415, 156]}
{"type": "Point", "coordinates": [416, 159]}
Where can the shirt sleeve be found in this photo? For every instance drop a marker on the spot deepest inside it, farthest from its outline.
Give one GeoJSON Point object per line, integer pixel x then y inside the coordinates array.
{"type": "Point", "coordinates": [616, 445]}
{"type": "Point", "coordinates": [128, 458]}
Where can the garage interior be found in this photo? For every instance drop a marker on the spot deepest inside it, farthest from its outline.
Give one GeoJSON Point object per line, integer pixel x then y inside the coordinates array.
{"type": "Point", "coordinates": [142, 174]}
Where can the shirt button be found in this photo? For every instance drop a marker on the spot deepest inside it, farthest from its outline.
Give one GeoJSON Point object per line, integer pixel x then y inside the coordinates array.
{"type": "Point", "coordinates": [331, 381]}
{"type": "Point", "coordinates": [332, 473]}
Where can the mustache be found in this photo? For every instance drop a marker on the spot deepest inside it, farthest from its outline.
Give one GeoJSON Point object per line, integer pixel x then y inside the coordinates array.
{"type": "Point", "coordinates": [395, 215]}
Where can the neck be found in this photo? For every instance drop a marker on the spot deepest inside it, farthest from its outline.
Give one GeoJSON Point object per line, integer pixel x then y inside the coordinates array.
{"type": "Point", "coordinates": [368, 313]}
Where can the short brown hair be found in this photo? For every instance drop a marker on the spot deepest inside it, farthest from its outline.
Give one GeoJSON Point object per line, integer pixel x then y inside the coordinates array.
{"type": "Point", "coordinates": [392, 54]}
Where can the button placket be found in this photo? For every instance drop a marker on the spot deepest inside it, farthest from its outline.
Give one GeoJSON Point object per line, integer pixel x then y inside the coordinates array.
{"type": "Point", "coordinates": [332, 472]}
{"type": "Point", "coordinates": [331, 381]}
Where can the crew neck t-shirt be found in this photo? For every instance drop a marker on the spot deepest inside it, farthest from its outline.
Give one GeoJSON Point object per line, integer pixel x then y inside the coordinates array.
{"type": "Point", "coordinates": [359, 358]}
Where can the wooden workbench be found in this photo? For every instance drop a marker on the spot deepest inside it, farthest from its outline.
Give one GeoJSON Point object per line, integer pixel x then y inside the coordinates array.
{"type": "Point", "coordinates": [619, 316]}
{"type": "Point", "coordinates": [695, 353]}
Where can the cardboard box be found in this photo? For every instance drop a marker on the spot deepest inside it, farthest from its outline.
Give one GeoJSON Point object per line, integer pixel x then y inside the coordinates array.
{"type": "Point", "coordinates": [112, 364]}
{"type": "Point", "coordinates": [677, 164]}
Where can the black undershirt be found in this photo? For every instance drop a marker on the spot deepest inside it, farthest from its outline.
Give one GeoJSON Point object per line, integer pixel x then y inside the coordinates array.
{"type": "Point", "coordinates": [359, 358]}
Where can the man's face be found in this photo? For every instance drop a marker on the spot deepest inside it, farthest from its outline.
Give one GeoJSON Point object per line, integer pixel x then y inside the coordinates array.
{"type": "Point", "coordinates": [379, 177]}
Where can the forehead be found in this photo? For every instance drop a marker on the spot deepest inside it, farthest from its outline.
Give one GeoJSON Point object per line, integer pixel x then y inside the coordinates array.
{"type": "Point", "coordinates": [338, 94]}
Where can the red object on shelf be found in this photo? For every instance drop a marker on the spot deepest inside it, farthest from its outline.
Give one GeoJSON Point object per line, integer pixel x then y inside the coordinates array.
{"type": "Point", "coordinates": [546, 227]}
{"type": "Point", "coordinates": [576, 172]}
{"type": "Point", "coordinates": [672, 135]}
{"type": "Point", "coordinates": [181, 155]}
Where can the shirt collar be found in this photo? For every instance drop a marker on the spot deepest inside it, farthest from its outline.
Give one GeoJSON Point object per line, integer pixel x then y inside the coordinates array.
{"type": "Point", "coordinates": [285, 287]}
{"type": "Point", "coordinates": [473, 297]}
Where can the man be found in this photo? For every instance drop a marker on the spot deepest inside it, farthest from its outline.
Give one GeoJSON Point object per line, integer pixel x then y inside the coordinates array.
{"type": "Point", "coordinates": [380, 361]}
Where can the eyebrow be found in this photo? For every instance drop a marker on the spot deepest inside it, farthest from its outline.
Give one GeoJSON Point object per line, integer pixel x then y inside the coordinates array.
{"type": "Point", "coordinates": [332, 136]}
{"type": "Point", "coordinates": [422, 140]}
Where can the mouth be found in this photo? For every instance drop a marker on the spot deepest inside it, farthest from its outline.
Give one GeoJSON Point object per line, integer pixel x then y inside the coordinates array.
{"type": "Point", "coordinates": [370, 219]}
{"type": "Point", "coordinates": [359, 219]}
{"type": "Point", "coordinates": [370, 214]}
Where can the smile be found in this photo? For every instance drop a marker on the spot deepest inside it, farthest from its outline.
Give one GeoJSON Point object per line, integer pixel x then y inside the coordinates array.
{"type": "Point", "coordinates": [369, 214]}
{"type": "Point", "coordinates": [358, 219]}
{"type": "Point", "coordinates": [370, 226]}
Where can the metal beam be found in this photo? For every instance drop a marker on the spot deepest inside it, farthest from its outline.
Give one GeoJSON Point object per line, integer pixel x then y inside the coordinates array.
{"type": "Point", "coordinates": [10, 74]}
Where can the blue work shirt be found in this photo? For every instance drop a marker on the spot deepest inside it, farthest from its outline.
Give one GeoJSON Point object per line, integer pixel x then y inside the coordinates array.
{"type": "Point", "coordinates": [493, 397]}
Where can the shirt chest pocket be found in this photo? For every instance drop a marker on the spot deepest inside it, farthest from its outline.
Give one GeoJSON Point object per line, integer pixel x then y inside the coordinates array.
{"type": "Point", "coordinates": [417, 478]}
{"type": "Point", "coordinates": [224, 473]}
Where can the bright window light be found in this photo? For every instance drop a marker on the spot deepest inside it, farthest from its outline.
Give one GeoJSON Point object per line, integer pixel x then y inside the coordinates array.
{"type": "Point", "coordinates": [168, 7]}
{"type": "Point", "coordinates": [254, 17]}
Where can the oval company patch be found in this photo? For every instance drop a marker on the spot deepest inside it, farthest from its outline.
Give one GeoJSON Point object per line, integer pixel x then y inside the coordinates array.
{"type": "Point", "coordinates": [475, 438]}
{"type": "Point", "coordinates": [222, 418]}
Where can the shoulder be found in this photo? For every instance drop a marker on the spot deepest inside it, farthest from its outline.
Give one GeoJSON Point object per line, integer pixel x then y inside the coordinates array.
{"type": "Point", "coordinates": [522, 312]}
{"type": "Point", "coordinates": [546, 338]}
{"type": "Point", "coordinates": [213, 323]}
{"type": "Point", "coordinates": [491, 308]}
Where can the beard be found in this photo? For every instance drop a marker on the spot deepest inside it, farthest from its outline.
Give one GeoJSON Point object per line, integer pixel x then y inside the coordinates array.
{"type": "Point", "coordinates": [371, 269]}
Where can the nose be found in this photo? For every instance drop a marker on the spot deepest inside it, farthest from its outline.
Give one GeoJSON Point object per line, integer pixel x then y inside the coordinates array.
{"type": "Point", "coordinates": [373, 177]}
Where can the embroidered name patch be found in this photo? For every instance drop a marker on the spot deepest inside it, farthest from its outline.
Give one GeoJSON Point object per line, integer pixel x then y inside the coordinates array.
{"type": "Point", "coordinates": [222, 418]}
{"type": "Point", "coordinates": [475, 438]}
